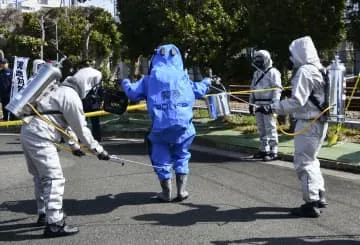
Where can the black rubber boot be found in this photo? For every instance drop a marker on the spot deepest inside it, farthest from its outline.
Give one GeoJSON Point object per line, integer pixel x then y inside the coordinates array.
{"type": "Point", "coordinates": [181, 181]}
{"type": "Point", "coordinates": [270, 157]}
{"type": "Point", "coordinates": [59, 229]}
{"type": "Point", "coordinates": [307, 210]}
{"type": "Point", "coordinates": [260, 155]}
{"type": "Point", "coordinates": [322, 202]}
{"type": "Point", "coordinates": [41, 220]}
{"type": "Point", "coordinates": [165, 195]}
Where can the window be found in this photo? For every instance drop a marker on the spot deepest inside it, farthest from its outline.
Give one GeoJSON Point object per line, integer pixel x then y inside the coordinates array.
{"type": "Point", "coordinates": [45, 2]}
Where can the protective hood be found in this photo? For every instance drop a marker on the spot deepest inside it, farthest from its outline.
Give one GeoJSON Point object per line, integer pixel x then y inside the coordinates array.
{"type": "Point", "coordinates": [83, 81]}
{"type": "Point", "coordinates": [167, 55]}
{"type": "Point", "coordinates": [303, 52]}
{"type": "Point", "coordinates": [265, 56]}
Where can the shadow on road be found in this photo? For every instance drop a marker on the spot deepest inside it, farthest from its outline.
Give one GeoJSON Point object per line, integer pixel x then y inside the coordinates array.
{"type": "Point", "coordinates": [306, 240]}
{"type": "Point", "coordinates": [2, 153]}
{"type": "Point", "coordinates": [350, 157]}
{"type": "Point", "coordinates": [208, 213]}
{"type": "Point", "coordinates": [140, 149]}
{"type": "Point", "coordinates": [126, 149]}
{"type": "Point", "coordinates": [11, 230]}
{"type": "Point", "coordinates": [99, 205]}
{"type": "Point", "coordinates": [15, 230]}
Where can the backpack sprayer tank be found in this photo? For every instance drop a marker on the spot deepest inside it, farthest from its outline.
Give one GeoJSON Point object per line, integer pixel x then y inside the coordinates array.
{"type": "Point", "coordinates": [336, 91]}
{"type": "Point", "coordinates": [44, 81]}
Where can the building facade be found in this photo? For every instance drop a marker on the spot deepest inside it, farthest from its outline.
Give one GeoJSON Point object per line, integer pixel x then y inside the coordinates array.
{"type": "Point", "coordinates": [36, 5]}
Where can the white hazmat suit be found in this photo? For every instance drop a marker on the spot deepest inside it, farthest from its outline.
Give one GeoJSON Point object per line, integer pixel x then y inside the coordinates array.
{"type": "Point", "coordinates": [266, 77]}
{"type": "Point", "coordinates": [307, 81]}
{"type": "Point", "coordinates": [38, 138]}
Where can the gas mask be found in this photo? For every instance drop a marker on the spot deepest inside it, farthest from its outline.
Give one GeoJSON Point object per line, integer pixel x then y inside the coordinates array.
{"type": "Point", "coordinates": [259, 62]}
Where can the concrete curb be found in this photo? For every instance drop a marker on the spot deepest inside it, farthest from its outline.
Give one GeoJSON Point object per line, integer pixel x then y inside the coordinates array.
{"type": "Point", "coordinates": [125, 134]}
{"type": "Point", "coordinates": [11, 129]}
{"type": "Point", "coordinates": [201, 141]}
{"type": "Point", "coordinates": [325, 163]}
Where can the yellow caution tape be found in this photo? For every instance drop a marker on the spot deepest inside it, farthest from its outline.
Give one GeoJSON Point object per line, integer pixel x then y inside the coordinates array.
{"type": "Point", "coordinates": [88, 114]}
{"type": "Point", "coordinates": [251, 91]}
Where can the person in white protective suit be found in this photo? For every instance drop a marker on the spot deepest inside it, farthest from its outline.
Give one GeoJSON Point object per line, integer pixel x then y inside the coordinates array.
{"type": "Point", "coordinates": [265, 77]}
{"type": "Point", "coordinates": [306, 103]}
{"type": "Point", "coordinates": [64, 108]}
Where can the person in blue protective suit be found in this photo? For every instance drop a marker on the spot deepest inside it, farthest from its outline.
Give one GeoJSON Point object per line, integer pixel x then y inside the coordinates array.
{"type": "Point", "coordinates": [170, 96]}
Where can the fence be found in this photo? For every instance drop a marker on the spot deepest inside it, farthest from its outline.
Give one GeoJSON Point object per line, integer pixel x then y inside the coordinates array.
{"type": "Point", "coordinates": [350, 83]}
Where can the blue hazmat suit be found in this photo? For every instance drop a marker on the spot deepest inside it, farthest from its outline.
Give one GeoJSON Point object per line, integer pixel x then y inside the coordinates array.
{"type": "Point", "coordinates": [170, 97]}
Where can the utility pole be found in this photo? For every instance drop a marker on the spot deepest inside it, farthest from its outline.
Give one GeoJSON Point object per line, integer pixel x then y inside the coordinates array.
{"type": "Point", "coordinates": [42, 37]}
{"type": "Point", "coordinates": [57, 41]}
{"type": "Point", "coordinates": [115, 3]}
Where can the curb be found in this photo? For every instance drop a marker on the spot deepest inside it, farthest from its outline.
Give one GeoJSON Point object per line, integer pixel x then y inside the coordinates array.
{"type": "Point", "coordinates": [201, 141]}
{"type": "Point", "coordinates": [125, 134]}
{"type": "Point", "coordinates": [324, 163]}
{"type": "Point", "coordinates": [12, 129]}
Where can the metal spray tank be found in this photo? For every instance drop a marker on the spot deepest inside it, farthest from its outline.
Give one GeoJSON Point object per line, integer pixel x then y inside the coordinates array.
{"type": "Point", "coordinates": [336, 90]}
{"type": "Point", "coordinates": [40, 85]}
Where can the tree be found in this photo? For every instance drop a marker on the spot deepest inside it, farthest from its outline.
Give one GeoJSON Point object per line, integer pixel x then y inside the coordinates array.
{"type": "Point", "coordinates": [353, 26]}
{"type": "Point", "coordinates": [274, 24]}
{"type": "Point", "coordinates": [212, 29]}
{"type": "Point", "coordinates": [25, 39]}
{"type": "Point", "coordinates": [86, 33]}
{"type": "Point", "coordinates": [142, 24]}
{"type": "Point", "coordinates": [233, 62]}
{"type": "Point", "coordinates": [12, 40]}
{"type": "Point", "coordinates": [202, 26]}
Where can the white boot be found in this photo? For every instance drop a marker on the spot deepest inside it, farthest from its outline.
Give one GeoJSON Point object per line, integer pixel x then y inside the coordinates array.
{"type": "Point", "coordinates": [165, 195]}
{"type": "Point", "coordinates": [182, 194]}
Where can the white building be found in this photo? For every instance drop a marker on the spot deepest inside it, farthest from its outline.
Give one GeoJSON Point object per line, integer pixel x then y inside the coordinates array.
{"type": "Point", "coordinates": [36, 5]}
{"type": "Point", "coordinates": [6, 4]}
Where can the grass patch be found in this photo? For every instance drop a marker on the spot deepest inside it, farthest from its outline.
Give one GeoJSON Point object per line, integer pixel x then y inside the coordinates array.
{"type": "Point", "coordinates": [200, 113]}
{"type": "Point", "coordinates": [245, 124]}
{"type": "Point", "coordinates": [249, 129]}
{"type": "Point", "coordinates": [345, 134]}
{"type": "Point", "coordinates": [238, 120]}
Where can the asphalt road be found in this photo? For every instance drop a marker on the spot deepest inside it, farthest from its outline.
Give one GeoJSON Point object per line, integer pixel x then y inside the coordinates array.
{"type": "Point", "coordinates": [232, 202]}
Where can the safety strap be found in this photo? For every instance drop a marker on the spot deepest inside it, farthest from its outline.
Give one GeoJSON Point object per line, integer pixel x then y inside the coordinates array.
{"type": "Point", "coordinates": [312, 97]}
{"type": "Point", "coordinates": [263, 99]}
{"type": "Point", "coordinates": [315, 101]}
{"type": "Point", "coordinates": [47, 113]}
{"type": "Point", "coordinates": [262, 75]}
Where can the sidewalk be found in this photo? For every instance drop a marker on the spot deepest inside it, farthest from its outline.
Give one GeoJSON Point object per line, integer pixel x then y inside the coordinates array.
{"type": "Point", "coordinates": [343, 156]}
